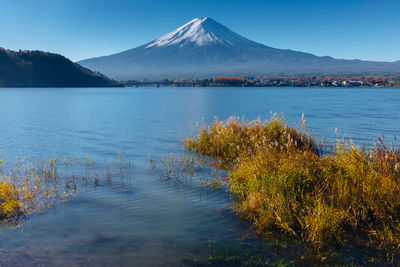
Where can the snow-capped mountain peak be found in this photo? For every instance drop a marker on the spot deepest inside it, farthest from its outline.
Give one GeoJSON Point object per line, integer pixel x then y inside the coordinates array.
{"type": "Point", "coordinates": [203, 48]}
{"type": "Point", "coordinates": [200, 31]}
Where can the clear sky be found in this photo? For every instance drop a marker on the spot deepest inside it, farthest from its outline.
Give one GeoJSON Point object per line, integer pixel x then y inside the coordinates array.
{"type": "Point", "coordinates": [79, 29]}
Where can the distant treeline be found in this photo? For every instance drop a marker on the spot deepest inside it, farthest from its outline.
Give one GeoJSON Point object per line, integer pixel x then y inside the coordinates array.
{"type": "Point", "coordinates": [311, 81]}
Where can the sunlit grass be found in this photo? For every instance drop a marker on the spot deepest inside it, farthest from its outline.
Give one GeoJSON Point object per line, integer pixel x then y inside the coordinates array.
{"type": "Point", "coordinates": [288, 188]}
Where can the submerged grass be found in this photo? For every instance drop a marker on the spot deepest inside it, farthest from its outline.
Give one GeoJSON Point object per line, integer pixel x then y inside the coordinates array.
{"type": "Point", "coordinates": [31, 186]}
{"type": "Point", "coordinates": [226, 256]}
{"type": "Point", "coordinates": [288, 188]}
{"type": "Point", "coordinates": [188, 169]}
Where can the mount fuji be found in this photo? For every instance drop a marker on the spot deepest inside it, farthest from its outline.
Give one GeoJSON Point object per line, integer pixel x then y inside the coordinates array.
{"type": "Point", "coordinates": [205, 48]}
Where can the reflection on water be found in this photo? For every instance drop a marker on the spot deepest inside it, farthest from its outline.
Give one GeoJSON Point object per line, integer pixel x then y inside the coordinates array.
{"type": "Point", "coordinates": [143, 219]}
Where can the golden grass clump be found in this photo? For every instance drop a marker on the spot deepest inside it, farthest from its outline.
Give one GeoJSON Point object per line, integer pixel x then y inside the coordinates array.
{"type": "Point", "coordinates": [286, 187]}
{"type": "Point", "coordinates": [23, 185]}
{"type": "Point", "coordinates": [11, 198]}
{"type": "Point", "coordinates": [229, 140]}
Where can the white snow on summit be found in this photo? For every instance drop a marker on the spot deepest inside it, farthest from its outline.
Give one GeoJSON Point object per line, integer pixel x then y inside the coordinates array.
{"type": "Point", "coordinates": [201, 31]}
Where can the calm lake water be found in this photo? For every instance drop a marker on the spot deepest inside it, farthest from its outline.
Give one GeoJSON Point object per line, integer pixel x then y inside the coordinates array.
{"type": "Point", "coordinates": [142, 219]}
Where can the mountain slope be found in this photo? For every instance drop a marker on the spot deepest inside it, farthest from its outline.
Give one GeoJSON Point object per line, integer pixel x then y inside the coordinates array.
{"type": "Point", "coordinates": [203, 47]}
{"type": "Point", "coordinates": [41, 69]}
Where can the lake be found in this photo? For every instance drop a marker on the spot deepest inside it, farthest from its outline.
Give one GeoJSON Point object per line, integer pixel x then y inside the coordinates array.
{"type": "Point", "coordinates": [142, 219]}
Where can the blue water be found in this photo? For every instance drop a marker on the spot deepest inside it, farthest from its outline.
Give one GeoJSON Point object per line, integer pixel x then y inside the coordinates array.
{"type": "Point", "coordinates": [154, 222]}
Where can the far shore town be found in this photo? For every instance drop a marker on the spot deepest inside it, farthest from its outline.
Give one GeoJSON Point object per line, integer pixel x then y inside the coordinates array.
{"type": "Point", "coordinates": [304, 81]}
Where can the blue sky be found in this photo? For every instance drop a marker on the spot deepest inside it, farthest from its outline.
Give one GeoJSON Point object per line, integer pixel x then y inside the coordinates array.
{"type": "Point", "coordinates": [79, 29]}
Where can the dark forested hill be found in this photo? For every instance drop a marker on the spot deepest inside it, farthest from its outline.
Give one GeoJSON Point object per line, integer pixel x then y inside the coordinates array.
{"type": "Point", "coordinates": [42, 69]}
